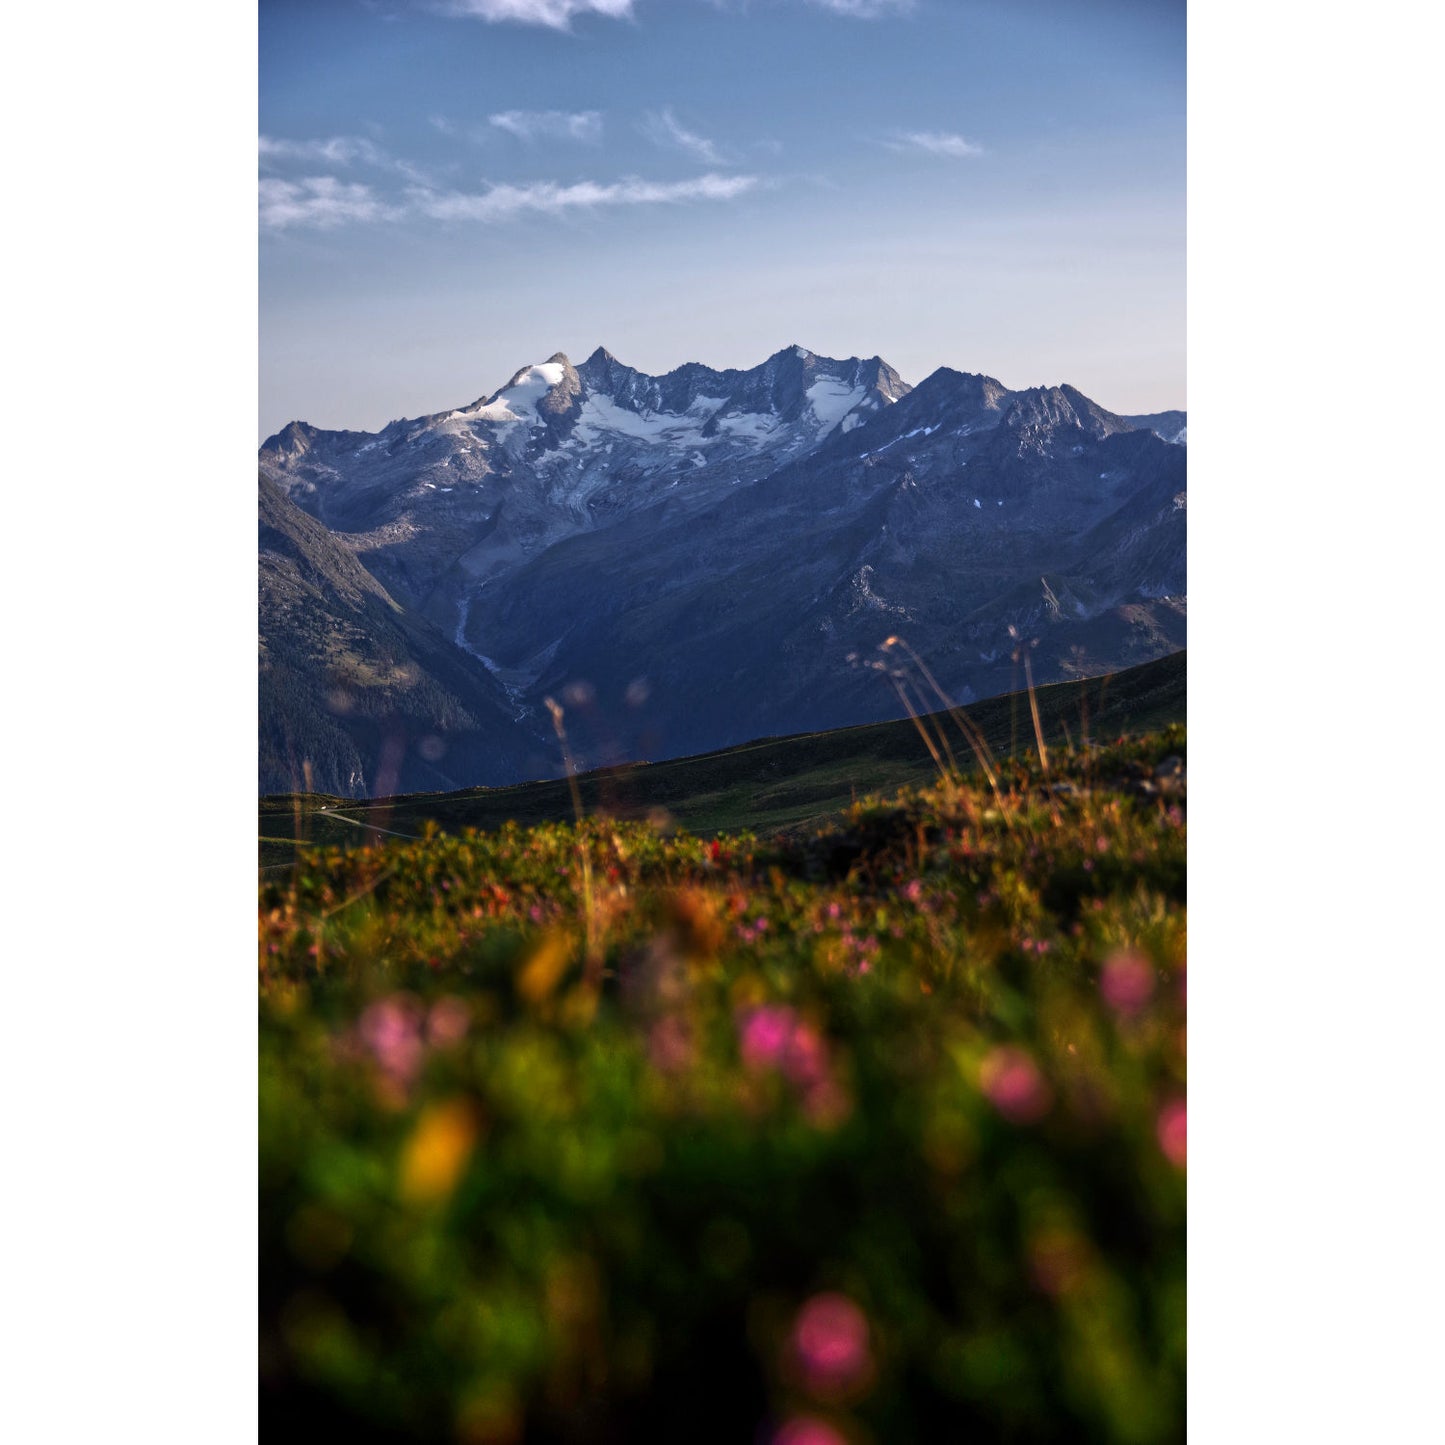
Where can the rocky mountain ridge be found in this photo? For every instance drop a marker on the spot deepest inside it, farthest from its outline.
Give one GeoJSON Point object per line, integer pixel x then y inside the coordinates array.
{"type": "Point", "coordinates": [696, 556]}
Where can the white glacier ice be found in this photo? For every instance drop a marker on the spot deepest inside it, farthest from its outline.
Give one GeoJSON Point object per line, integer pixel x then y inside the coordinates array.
{"type": "Point", "coordinates": [831, 401]}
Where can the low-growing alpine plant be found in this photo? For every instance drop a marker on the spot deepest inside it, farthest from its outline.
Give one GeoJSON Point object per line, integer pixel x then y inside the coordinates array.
{"type": "Point", "coordinates": [595, 1133]}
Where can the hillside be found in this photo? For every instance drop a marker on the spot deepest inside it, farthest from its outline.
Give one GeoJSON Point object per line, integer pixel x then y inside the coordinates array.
{"type": "Point", "coordinates": [769, 785]}
{"type": "Point", "coordinates": [357, 694]}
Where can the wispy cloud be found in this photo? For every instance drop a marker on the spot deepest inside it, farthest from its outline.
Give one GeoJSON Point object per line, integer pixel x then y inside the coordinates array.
{"type": "Point", "coordinates": [934, 143]}
{"type": "Point", "coordinates": [662, 128]}
{"type": "Point", "coordinates": [530, 125]}
{"type": "Point", "coordinates": [556, 14]}
{"type": "Point", "coordinates": [865, 9]}
{"type": "Point", "coordinates": [319, 201]}
{"type": "Point", "coordinates": [501, 203]}
{"type": "Point", "coordinates": [337, 150]}
{"type": "Point", "coordinates": [324, 202]}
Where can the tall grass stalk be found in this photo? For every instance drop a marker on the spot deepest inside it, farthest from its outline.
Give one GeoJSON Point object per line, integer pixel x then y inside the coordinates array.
{"type": "Point", "coordinates": [917, 722]}
{"type": "Point", "coordinates": [589, 912]}
{"type": "Point", "coordinates": [1034, 710]}
{"type": "Point", "coordinates": [975, 739]}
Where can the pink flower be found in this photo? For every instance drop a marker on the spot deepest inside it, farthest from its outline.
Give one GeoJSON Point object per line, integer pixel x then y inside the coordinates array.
{"type": "Point", "coordinates": [913, 891]}
{"type": "Point", "coordinates": [774, 1037]}
{"type": "Point", "coordinates": [1127, 982]}
{"type": "Point", "coordinates": [830, 1345]}
{"type": "Point", "coordinates": [765, 1033]}
{"type": "Point", "coordinates": [1171, 1130]}
{"type": "Point", "coordinates": [1013, 1085]}
{"type": "Point", "coordinates": [805, 1057]}
{"type": "Point", "coordinates": [805, 1430]}
{"type": "Point", "coordinates": [391, 1029]}
{"type": "Point", "coordinates": [447, 1022]}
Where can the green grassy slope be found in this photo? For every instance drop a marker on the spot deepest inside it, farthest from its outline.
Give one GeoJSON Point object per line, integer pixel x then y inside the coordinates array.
{"type": "Point", "coordinates": [772, 785]}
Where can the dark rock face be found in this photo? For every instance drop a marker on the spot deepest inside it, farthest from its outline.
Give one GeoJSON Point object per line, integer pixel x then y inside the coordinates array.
{"type": "Point", "coordinates": [357, 697]}
{"type": "Point", "coordinates": [717, 555]}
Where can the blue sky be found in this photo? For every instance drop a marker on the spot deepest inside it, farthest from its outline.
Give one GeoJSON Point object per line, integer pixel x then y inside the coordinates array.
{"type": "Point", "coordinates": [451, 190]}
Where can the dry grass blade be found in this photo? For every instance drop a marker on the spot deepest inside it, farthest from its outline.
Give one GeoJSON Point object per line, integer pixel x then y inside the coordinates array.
{"type": "Point", "coordinates": [594, 954]}
{"type": "Point", "coordinates": [1034, 710]}
{"type": "Point", "coordinates": [972, 736]}
{"type": "Point", "coordinates": [922, 732]}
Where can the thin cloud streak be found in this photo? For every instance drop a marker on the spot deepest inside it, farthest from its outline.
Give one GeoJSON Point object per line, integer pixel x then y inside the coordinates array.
{"type": "Point", "coordinates": [662, 128]}
{"type": "Point", "coordinates": [934, 143]}
{"type": "Point", "coordinates": [337, 150]}
{"type": "Point", "coordinates": [554, 14]}
{"type": "Point", "coordinates": [865, 9]}
{"type": "Point", "coordinates": [530, 125]}
{"type": "Point", "coordinates": [558, 14]}
{"type": "Point", "coordinates": [503, 202]}
{"type": "Point", "coordinates": [324, 202]}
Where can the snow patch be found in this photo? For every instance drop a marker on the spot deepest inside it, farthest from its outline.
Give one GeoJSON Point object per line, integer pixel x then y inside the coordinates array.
{"type": "Point", "coordinates": [754, 426]}
{"type": "Point", "coordinates": [518, 402]}
{"type": "Point", "coordinates": [832, 400]}
{"type": "Point", "coordinates": [602, 414]}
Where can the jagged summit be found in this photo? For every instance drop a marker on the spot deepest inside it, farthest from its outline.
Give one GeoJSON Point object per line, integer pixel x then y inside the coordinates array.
{"type": "Point", "coordinates": [729, 536]}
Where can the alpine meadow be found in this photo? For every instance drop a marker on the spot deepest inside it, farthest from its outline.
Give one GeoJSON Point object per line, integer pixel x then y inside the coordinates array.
{"type": "Point", "coordinates": [722, 804]}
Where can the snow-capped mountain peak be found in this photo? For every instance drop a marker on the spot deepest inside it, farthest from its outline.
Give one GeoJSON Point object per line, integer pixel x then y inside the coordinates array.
{"type": "Point", "coordinates": [743, 530]}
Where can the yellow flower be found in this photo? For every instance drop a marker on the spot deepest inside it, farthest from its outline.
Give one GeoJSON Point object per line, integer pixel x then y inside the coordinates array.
{"type": "Point", "coordinates": [438, 1150]}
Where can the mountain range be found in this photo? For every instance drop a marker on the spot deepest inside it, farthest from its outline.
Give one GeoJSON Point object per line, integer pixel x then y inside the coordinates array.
{"type": "Point", "coordinates": [691, 560]}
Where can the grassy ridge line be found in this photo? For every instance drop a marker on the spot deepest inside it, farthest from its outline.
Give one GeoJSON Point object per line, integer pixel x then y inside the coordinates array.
{"type": "Point", "coordinates": [770, 785]}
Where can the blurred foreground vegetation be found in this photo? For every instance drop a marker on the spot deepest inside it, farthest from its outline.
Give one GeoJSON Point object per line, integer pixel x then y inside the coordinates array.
{"type": "Point", "coordinates": [875, 1135]}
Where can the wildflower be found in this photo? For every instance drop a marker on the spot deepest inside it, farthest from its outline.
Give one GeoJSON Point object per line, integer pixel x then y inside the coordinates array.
{"type": "Point", "coordinates": [1013, 1085]}
{"type": "Point", "coordinates": [446, 1023]}
{"type": "Point", "coordinates": [437, 1151]}
{"type": "Point", "coordinates": [391, 1030]}
{"type": "Point", "coordinates": [829, 1345]}
{"type": "Point", "coordinates": [804, 1058]}
{"type": "Point", "coordinates": [1171, 1131]}
{"type": "Point", "coordinates": [765, 1035]}
{"type": "Point", "coordinates": [806, 1430]}
{"type": "Point", "coordinates": [1127, 982]}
